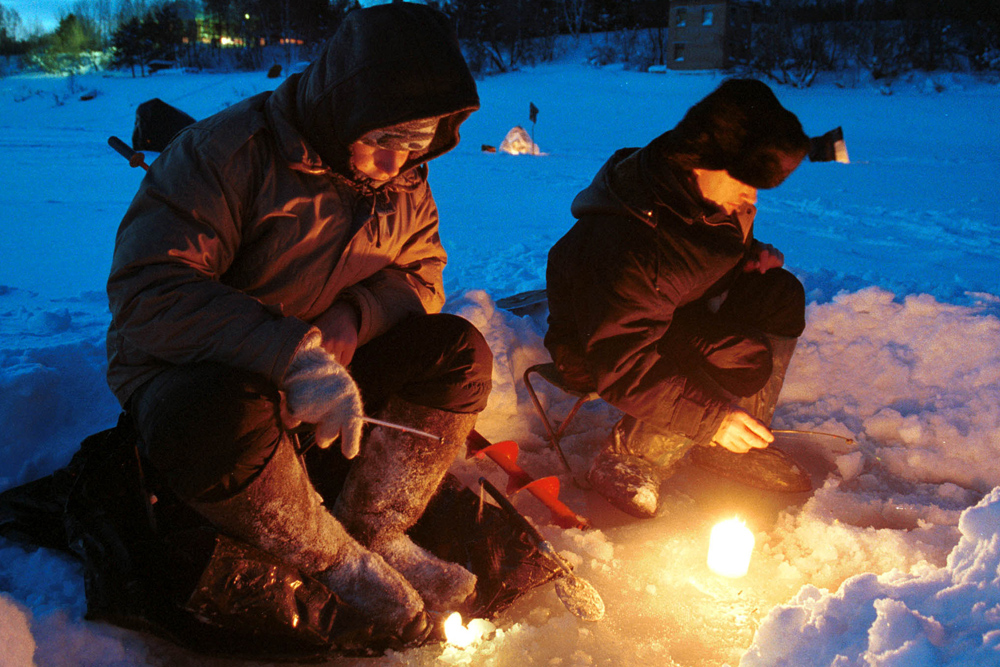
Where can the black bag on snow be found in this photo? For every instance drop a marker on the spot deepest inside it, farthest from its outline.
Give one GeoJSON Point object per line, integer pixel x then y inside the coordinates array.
{"type": "Point", "coordinates": [156, 123]}
{"type": "Point", "coordinates": [152, 564]}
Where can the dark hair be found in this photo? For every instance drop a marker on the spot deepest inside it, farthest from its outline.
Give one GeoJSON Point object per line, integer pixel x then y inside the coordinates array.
{"type": "Point", "coordinates": [741, 128]}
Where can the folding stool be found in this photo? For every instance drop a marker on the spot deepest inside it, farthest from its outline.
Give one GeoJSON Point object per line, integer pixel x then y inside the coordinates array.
{"type": "Point", "coordinates": [551, 374]}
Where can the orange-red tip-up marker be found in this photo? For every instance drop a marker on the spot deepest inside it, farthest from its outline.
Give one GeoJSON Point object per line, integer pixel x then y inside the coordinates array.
{"type": "Point", "coordinates": [546, 489]}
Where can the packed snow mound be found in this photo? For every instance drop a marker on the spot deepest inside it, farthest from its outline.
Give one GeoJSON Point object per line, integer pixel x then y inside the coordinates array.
{"type": "Point", "coordinates": [930, 617]}
{"type": "Point", "coordinates": [914, 379]}
{"type": "Point", "coordinates": [519, 142]}
{"type": "Point", "coordinates": [15, 633]}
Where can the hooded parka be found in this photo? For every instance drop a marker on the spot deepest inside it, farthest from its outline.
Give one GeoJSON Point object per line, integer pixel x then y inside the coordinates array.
{"type": "Point", "coordinates": [630, 286]}
{"type": "Point", "coordinates": [249, 226]}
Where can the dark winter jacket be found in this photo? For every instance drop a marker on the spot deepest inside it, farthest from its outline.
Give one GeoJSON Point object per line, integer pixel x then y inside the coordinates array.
{"type": "Point", "coordinates": [245, 229]}
{"type": "Point", "coordinates": [645, 244]}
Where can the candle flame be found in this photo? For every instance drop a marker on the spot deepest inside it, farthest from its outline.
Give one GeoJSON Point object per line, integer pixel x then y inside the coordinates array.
{"type": "Point", "coordinates": [729, 548]}
{"type": "Point", "coordinates": [457, 634]}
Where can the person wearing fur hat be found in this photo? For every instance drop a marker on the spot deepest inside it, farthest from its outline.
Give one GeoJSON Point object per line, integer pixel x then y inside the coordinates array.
{"type": "Point", "coordinates": [663, 301]}
{"type": "Point", "coordinates": [280, 268]}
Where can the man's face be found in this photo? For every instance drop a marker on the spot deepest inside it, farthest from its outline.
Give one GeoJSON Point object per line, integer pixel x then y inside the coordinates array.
{"type": "Point", "coordinates": [719, 187]}
{"type": "Point", "coordinates": [381, 153]}
{"type": "Point", "coordinates": [379, 164]}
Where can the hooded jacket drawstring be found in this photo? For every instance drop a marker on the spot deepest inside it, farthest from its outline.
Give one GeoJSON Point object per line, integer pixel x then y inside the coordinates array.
{"type": "Point", "coordinates": [381, 204]}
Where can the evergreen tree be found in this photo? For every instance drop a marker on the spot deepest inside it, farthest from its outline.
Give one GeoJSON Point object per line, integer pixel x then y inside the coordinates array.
{"type": "Point", "coordinates": [131, 46]}
{"type": "Point", "coordinates": [71, 47]}
{"type": "Point", "coordinates": [165, 30]}
{"type": "Point", "coordinates": [156, 36]}
{"type": "Point", "coordinates": [74, 36]}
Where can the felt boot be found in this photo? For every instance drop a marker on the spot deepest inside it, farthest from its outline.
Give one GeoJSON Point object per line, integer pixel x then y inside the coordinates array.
{"type": "Point", "coordinates": [280, 512]}
{"type": "Point", "coordinates": [770, 468]}
{"type": "Point", "coordinates": [633, 464]}
{"type": "Point", "coordinates": [627, 482]}
{"type": "Point", "coordinates": [387, 491]}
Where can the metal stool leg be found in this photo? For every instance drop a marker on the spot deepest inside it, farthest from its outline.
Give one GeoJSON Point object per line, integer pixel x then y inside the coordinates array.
{"type": "Point", "coordinates": [547, 371]}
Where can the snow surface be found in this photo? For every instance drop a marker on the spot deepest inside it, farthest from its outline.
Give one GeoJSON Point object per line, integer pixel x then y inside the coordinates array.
{"type": "Point", "coordinates": [895, 560]}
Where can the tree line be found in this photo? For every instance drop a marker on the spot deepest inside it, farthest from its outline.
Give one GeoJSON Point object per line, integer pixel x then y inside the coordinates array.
{"type": "Point", "coordinates": [792, 40]}
{"type": "Point", "coordinates": [143, 34]}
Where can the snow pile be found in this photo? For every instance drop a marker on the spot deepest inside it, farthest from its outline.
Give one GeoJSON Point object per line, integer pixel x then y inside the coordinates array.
{"type": "Point", "coordinates": [52, 367]}
{"type": "Point", "coordinates": [930, 617]}
{"type": "Point", "coordinates": [919, 379]}
{"type": "Point", "coordinates": [519, 142]}
{"type": "Point", "coordinates": [15, 633]}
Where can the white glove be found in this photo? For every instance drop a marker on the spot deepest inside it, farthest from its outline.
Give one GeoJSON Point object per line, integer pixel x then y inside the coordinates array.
{"type": "Point", "coordinates": [320, 391]}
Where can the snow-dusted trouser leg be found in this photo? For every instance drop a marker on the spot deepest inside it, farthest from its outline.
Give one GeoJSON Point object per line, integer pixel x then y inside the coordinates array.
{"type": "Point", "coordinates": [761, 405]}
{"type": "Point", "coordinates": [389, 486]}
{"type": "Point", "coordinates": [768, 468]}
{"type": "Point", "coordinates": [639, 456]}
{"type": "Point", "coordinates": [280, 512]}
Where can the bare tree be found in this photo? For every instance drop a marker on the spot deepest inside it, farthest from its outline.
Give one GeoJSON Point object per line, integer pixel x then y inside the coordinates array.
{"type": "Point", "coordinates": [575, 13]}
{"type": "Point", "coordinates": [10, 27]}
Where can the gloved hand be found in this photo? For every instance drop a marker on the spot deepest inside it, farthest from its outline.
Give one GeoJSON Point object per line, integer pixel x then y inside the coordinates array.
{"type": "Point", "coordinates": [320, 391]}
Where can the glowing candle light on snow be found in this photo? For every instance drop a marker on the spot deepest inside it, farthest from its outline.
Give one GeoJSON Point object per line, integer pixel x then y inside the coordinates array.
{"type": "Point", "coordinates": [729, 548]}
{"type": "Point", "coordinates": [457, 634]}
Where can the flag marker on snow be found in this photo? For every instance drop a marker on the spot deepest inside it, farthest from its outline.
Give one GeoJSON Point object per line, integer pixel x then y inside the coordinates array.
{"type": "Point", "coordinates": [533, 116]}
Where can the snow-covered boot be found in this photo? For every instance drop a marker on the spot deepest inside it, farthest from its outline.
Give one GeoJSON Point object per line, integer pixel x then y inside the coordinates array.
{"type": "Point", "coordinates": [388, 488]}
{"type": "Point", "coordinates": [281, 512]}
{"type": "Point", "coordinates": [770, 468]}
{"type": "Point", "coordinates": [627, 482]}
{"type": "Point", "coordinates": [633, 464]}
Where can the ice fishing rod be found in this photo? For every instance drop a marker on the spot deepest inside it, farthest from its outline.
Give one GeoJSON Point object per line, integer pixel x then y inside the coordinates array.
{"type": "Point", "coordinates": [400, 427]}
{"type": "Point", "coordinates": [307, 438]}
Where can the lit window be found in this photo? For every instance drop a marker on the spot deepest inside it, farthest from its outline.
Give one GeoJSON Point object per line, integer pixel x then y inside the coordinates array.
{"type": "Point", "coordinates": [706, 16]}
{"type": "Point", "coordinates": [682, 14]}
{"type": "Point", "coordinates": [678, 52]}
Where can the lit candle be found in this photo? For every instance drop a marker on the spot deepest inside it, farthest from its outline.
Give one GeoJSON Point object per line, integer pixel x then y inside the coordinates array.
{"type": "Point", "coordinates": [729, 548]}
{"type": "Point", "coordinates": [457, 634]}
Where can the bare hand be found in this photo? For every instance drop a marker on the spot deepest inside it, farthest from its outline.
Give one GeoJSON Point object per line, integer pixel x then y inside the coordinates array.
{"type": "Point", "coordinates": [740, 432]}
{"type": "Point", "coordinates": [766, 257]}
{"type": "Point", "coordinates": [339, 326]}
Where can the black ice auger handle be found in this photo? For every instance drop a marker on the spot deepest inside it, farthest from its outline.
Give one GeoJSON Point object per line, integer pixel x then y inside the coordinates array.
{"type": "Point", "coordinates": [135, 158]}
{"type": "Point", "coordinates": [540, 542]}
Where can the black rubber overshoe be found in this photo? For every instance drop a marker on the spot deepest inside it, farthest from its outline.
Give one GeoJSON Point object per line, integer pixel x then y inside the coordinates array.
{"type": "Point", "coordinates": [769, 469]}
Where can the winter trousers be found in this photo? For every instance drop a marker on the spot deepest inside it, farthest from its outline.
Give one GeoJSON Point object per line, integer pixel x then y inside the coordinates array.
{"type": "Point", "coordinates": [731, 346]}
{"type": "Point", "coordinates": [209, 429]}
{"type": "Point", "coordinates": [740, 351]}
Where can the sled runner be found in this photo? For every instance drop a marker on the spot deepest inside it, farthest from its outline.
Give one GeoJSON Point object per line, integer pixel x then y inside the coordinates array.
{"type": "Point", "coordinates": [525, 303]}
{"type": "Point", "coordinates": [152, 564]}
